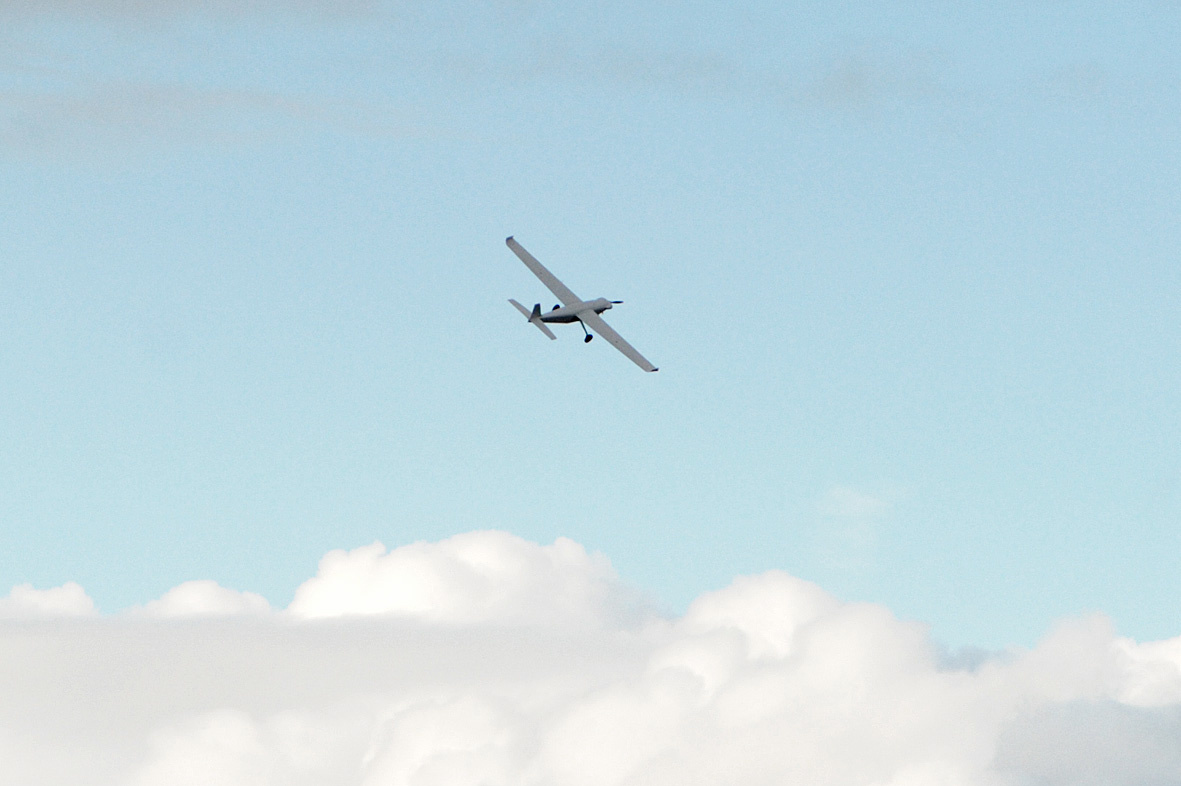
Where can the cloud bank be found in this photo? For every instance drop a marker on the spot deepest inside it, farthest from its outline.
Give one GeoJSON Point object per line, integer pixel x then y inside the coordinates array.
{"type": "Point", "coordinates": [487, 659]}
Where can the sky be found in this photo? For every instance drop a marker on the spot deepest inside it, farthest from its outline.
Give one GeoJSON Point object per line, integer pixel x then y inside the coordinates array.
{"type": "Point", "coordinates": [908, 270]}
{"type": "Point", "coordinates": [289, 493]}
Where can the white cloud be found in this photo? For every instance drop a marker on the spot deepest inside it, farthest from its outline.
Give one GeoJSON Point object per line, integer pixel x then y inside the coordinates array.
{"type": "Point", "coordinates": [204, 599]}
{"type": "Point", "coordinates": [476, 577]}
{"type": "Point", "coordinates": [68, 600]}
{"type": "Point", "coordinates": [457, 663]}
{"type": "Point", "coordinates": [1151, 672]}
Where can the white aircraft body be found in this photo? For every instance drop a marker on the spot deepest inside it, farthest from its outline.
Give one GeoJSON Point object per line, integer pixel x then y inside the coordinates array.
{"type": "Point", "coordinates": [573, 309]}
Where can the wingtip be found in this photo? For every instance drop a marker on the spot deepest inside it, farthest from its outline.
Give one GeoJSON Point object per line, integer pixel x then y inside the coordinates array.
{"type": "Point", "coordinates": [508, 239]}
{"type": "Point", "coordinates": [656, 369]}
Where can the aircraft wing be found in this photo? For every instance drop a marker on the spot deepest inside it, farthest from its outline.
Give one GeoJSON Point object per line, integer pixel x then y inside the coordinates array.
{"type": "Point", "coordinates": [559, 289]}
{"type": "Point", "coordinates": [596, 323]}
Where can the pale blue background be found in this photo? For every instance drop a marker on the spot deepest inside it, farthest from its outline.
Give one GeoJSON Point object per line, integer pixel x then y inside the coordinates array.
{"type": "Point", "coordinates": [910, 271]}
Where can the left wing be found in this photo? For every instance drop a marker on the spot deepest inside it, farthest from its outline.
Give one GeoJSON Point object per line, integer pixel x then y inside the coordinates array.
{"type": "Point", "coordinates": [596, 323]}
{"type": "Point", "coordinates": [559, 289]}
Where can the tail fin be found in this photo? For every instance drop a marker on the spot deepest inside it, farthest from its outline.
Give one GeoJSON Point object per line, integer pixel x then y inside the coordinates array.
{"type": "Point", "coordinates": [534, 318]}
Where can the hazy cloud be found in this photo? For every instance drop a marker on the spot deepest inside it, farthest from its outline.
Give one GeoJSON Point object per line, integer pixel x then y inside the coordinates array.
{"type": "Point", "coordinates": [846, 502]}
{"type": "Point", "coordinates": [149, 10]}
{"type": "Point", "coordinates": [871, 80]}
{"type": "Point", "coordinates": [848, 525]}
{"type": "Point", "coordinates": [562, 60]}
{"type": "Point", "coordinates": [106, 118]}
{"type": "Point", "coordinates": [448, 663]}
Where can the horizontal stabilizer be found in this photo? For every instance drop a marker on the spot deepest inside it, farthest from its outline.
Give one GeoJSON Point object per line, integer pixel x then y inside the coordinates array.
{"type": "Point", "coordinates": [535, 318]}
{"type": "Point", "coordinates": [520, 308]}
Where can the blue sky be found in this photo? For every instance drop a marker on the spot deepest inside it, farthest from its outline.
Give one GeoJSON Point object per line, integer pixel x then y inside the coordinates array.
{"type": "Point", "coordinates": [909, 271]}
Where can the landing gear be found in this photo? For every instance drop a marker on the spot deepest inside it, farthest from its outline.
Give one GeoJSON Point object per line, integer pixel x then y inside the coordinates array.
{"type": "Point", "coordinates": [588, 338]}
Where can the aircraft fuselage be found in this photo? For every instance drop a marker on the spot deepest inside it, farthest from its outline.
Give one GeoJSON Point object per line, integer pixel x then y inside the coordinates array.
{"type": "Point", "coordinates": [570, 313]}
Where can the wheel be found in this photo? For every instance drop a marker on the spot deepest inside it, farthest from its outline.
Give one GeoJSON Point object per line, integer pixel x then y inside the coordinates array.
{"type": "Point", "coordinates": [588, 338]}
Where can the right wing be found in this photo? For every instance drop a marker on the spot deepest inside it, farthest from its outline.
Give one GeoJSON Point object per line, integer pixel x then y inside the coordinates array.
{"type": "Point", "coordinates": [596, 323]}
{"type": "Point", "coordinates": [549, 279]}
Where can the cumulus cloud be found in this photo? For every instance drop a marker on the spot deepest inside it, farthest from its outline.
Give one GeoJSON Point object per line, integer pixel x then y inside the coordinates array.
{"type": "Point", "coordinates": [470, 578]}
{"type": "Point", "coordinates": [68, 600]}
{"type": "Point", "coordinates": [205, 599]}
{"type": "Point", "coordinates": [454, 663]}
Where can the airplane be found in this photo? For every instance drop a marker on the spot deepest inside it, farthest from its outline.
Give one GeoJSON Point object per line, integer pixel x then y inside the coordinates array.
{"type": "Point", "coordinates": [573, 309]}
